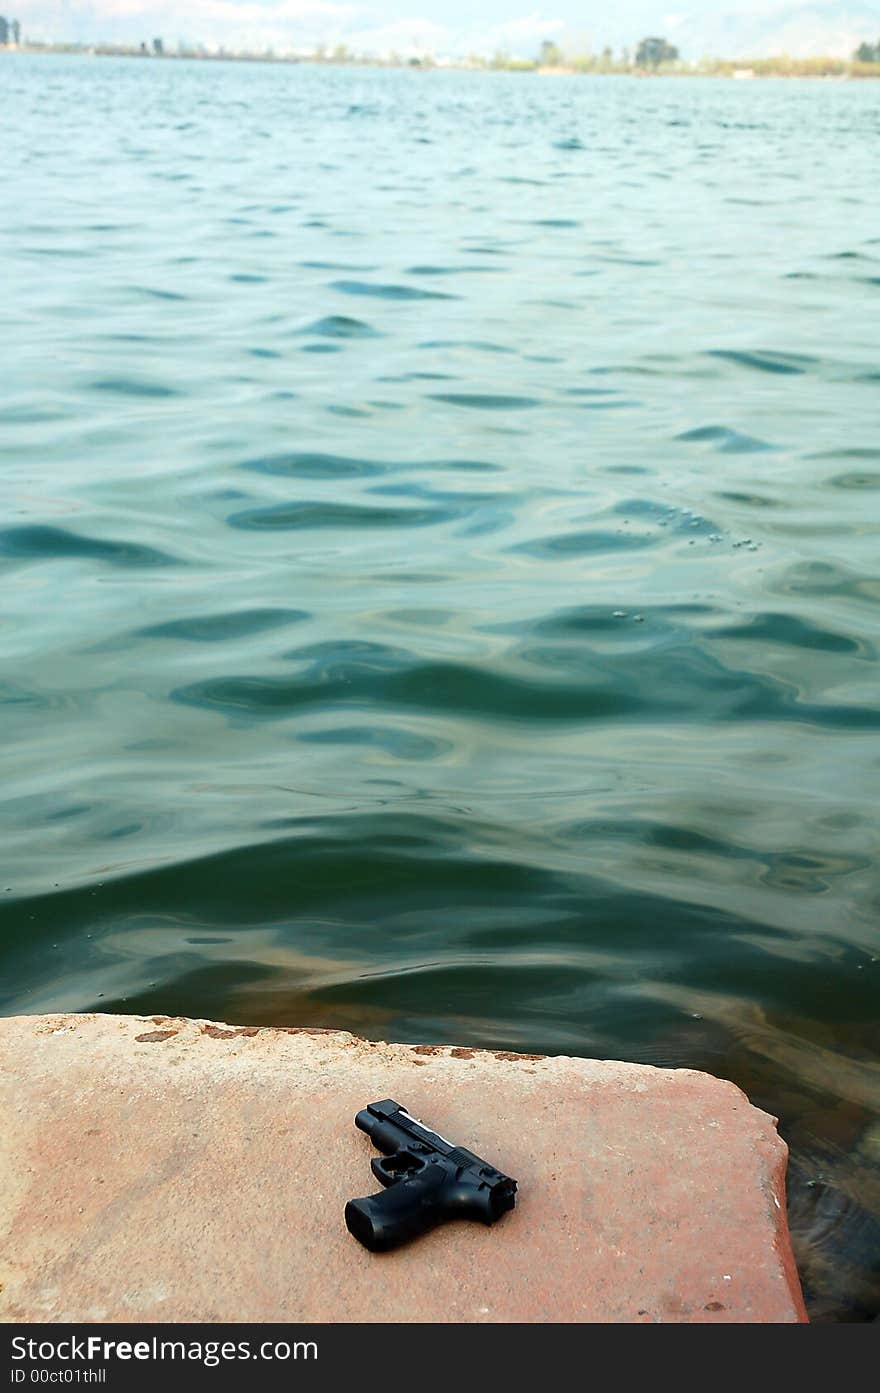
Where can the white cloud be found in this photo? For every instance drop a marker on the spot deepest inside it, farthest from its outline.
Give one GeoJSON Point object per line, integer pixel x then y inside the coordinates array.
{"type": "Point", "coordinates": [283, 25]}
{"type": "Point", "coordinates": [406, 37]}
{"type": "Point", "coordinates": [213, 22]}
{"type": "Point", "coordinates": [421, 35]}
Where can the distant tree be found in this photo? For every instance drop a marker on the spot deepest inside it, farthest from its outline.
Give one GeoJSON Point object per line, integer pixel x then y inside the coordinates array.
{"type": "Point", "coordinates": [867, 53]}
{"type": "Point", "coordinates": [652, 52]}
{"type": "Point", "coordinates": [550, 55]}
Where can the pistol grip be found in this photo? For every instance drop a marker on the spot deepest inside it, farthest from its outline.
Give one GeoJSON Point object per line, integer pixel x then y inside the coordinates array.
{"type": "Point", "coordinates": [408, 1207]}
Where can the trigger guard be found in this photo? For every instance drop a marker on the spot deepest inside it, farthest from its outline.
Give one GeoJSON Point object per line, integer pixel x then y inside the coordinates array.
{"type": "Point", "coordinates": [388, 1170]}
{"type": "Point", "coordinates": [377, 1166]}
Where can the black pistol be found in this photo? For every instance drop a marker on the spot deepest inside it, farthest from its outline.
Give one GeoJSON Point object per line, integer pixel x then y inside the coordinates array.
{"type": "Point", "coordinates": [427, 1180]}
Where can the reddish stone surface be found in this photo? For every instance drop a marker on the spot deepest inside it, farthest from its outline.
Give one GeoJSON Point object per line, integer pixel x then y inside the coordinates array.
{"type": "Point", "coordinates": [179, 1170]}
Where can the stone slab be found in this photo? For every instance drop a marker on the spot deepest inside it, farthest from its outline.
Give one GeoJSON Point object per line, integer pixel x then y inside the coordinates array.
{"type": "Point", "coordinates": [164, 1169]}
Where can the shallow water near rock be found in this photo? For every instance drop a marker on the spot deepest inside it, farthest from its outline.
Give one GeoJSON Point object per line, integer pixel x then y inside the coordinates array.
{"type": "Point", "coordinates": [439, 555]}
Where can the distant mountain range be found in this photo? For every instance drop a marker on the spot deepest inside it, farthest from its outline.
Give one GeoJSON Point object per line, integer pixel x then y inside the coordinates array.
{"type": "Point", "coordinates": [833, 29]}
{"type": "Point", "coordinates": [736, 29]}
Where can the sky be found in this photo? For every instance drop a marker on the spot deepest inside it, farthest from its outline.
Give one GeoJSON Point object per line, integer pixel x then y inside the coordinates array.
{"type": "Point", "coordinates": [724, 28]}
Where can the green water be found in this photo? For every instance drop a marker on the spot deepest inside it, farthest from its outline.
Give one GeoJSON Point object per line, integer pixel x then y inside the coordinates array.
{"type": "Point", "coordinates": [439, 557]}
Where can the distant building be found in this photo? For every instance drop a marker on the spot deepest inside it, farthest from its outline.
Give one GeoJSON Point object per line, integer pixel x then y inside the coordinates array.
{"type": "Point", "coordinates": [15, 28]}
{"type": "Point", "coordinates": [4, 32]}
{"type": "Point", "coordinates": [550, 55]}
{"type": "Point", "coordinates": [158, 48]}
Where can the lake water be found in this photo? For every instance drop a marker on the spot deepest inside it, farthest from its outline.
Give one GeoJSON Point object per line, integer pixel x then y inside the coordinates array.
{"type": "Point", "coordinates": [440, 573]}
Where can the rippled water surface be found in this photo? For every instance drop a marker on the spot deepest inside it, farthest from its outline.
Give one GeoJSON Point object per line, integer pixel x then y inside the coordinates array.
{"type": "Point", "coordinates": [440, 573]}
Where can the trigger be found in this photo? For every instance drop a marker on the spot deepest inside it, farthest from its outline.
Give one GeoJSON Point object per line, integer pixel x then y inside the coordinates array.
{"type": "Point", "coordinates": [382, 1171]}
{"type": "Point", "coordinates": [388, 1169]}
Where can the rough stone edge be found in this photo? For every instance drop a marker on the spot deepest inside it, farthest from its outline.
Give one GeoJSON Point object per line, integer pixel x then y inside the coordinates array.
{"type": "Point", "coordinates": [189, 1030]}
{"type": "Point", "coordinates": [158, 1029]}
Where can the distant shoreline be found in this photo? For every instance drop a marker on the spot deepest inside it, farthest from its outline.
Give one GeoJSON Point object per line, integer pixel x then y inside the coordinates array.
{"type": "Point", "coordinates": [821, 69]}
